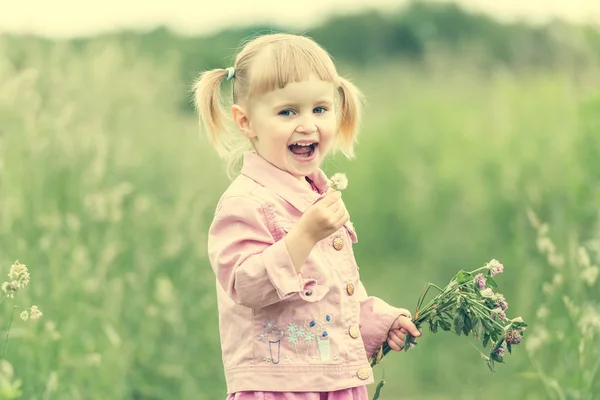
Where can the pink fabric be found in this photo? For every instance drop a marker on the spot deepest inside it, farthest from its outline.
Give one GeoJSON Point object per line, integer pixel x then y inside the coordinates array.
{"type": "Point", "coordinates": [283, 331]}
{"type": "Point", "coordinates": [357, 393]}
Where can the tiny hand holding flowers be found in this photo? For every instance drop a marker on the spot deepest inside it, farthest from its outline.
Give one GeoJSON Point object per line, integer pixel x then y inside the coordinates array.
{"type": "Point", "coordinates": [466, 305]}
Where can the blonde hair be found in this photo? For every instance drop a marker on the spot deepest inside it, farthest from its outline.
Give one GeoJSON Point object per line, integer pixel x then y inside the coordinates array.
{"type": "Point", "coordinates": [284, 58]}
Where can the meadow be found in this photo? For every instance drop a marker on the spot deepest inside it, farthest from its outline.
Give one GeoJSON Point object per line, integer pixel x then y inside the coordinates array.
{"type": "Point", "coordinates": [107, 190]}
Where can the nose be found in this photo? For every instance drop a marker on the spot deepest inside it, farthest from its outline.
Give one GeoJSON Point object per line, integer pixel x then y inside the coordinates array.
{"type": "Point", "coordinates": [307, 127]}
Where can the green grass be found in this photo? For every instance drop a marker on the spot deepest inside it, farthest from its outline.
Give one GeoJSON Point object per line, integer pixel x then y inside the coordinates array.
{"type": "Point", "coordinates": [107, 191]}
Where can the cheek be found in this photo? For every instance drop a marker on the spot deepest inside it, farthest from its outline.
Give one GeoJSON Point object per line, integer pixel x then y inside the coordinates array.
{"type": "Point", "coordinates": [329, 126]}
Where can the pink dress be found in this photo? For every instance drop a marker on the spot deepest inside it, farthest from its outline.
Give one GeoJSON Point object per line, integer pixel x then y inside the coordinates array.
{"type": "Point", "coordinates": [357, 393]}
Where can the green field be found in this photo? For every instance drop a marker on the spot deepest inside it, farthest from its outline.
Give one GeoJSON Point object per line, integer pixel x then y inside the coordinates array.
{"type": "Point", "coordinates": [107, 191]}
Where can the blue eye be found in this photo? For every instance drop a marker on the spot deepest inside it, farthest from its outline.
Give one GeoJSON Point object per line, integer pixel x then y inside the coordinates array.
{"type": "Point", "coordinates": [320, 110]}
{"type": "Point", "coordinates": [286, 113]}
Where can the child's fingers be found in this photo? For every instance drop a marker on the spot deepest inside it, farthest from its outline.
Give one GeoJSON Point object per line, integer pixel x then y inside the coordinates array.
{"type": "Point", "coordinates": [409, 326]}
{"type": "Point", "coordinates": [403, 330]}
{"type": "Point", "coordinates": [398, 335]}
{"type": "Point", "coordinates": [393, 345]}
{"type": "Point", "coordinates": [397, 339]}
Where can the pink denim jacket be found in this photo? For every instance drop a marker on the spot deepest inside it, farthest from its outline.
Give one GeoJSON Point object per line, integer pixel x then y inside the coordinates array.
{"type": "Point", "coordinates": [282, 331]}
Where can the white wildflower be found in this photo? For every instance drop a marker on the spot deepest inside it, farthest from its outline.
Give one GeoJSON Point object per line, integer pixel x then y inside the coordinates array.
{"type": "Point", "coordinates": [590, 274]}
{"type": "Point", "coordinates": [487, 293]}
{"type": "Point", "coordinates": [19, 274]}
{"type": "Point", "coordinates": [558, 279]}
{"type": "Point", "coordinates": [545, 245]}
{"type": "Point", "coordinates": [556, 260]}
{"type": "Point", "coordinates": [35, 312]}
{"type": "Point", "coordinates": [338, 181]}
{"type": "Point", "coordinates": [24, 315]}
{"type": "Point", "coordinates": [10, 288]}
{"type": "Point", "coordinates": [590, 320]}
{"type": "Point", "coordinates": [583, 257]}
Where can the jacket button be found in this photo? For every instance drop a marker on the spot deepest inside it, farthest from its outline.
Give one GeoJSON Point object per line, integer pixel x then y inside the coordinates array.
{"type": "Point", "coordinates": [363, 373]}
{"type": "Point", "coordinates": [350, 288]}
{"type": "Point", "coordinates": [354, 332]}
{"type": "Point", "coordinates": [338, 243]}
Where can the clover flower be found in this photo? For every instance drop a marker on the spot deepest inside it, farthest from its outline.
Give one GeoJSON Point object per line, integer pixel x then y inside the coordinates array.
{"type": "Point", "coordinates": [500, 351]}
{"type": "Point", "coordinates": [513, 336]}
{"type": "Point", "coordinates": [495, 267]}
{"type": "Point", "coordinates": [498, 314]}
{"type": "Point", "coordinates": [501, 302]}
{"type": "Point", "coordinates": [480, 280]}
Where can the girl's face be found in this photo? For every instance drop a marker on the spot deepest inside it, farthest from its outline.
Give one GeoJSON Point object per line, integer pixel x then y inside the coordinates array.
{"type": "Point", "coordinates": [292, 128]}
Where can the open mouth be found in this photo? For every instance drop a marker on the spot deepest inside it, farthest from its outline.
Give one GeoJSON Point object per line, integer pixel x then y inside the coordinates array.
{"type": "Point", "coordinates": [304, 149]}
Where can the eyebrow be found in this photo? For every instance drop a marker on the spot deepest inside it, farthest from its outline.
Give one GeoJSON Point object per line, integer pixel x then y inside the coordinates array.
{"type": "Point", "coordinates": [292, 105]}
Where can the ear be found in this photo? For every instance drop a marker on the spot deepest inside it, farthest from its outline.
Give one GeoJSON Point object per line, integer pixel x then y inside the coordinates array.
{"type": "Point", "coordinates": [240, 117]}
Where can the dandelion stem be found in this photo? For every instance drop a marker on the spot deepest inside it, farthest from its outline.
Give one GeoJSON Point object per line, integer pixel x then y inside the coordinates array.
{"type": "Point", "coordinates": [7, 332]}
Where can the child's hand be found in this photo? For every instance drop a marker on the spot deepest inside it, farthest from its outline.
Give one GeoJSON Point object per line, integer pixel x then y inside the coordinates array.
{"type": "Point", "coordinates": [324, 217]}
{"type": "Point", "coordinates": [398, 332]}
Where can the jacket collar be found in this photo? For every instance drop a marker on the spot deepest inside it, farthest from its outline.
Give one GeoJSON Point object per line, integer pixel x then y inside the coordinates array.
{"type": "Point", "coordinates": [299, 195]}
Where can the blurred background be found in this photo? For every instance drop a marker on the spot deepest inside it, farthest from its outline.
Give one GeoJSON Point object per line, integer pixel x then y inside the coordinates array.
{"type": "Point", "coordinates": [481, 140]}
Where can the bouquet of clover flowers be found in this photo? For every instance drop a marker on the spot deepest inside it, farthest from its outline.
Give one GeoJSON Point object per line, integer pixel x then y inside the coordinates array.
{"type": "Point", "coordinates": [466, 305]}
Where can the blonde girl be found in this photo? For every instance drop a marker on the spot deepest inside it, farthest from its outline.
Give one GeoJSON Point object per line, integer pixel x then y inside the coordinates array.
{"type": "Point", "coordinates": [295, 320]}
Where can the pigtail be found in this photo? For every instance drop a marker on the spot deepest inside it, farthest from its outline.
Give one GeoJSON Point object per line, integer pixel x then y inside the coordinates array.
{"type": "Point", "coordinates": [207, 99]}
{"type": "Point", "coordinates": [351, 103]}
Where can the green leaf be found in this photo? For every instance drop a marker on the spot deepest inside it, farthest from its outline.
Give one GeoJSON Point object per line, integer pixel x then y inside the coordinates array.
{"type": "Point", "coordinates": [463, 277]}
{"type": "Point", "coordinates": [433, 326]}
{"type": "Point", "coordinates": [478, 327]}
{"type": "Point", "coordinates": [490, 281]}
{"type": "Point", "coordinates": [459, 321]}
{"type": "Point", "coordinates": [408, 340]}
{"type": "Point", "coordinates": [497, 358]}
{"type": "Point", "coordinates": [468, 322]}
{"type": "Point", "coordinates": [517, 325]}
{"type": "Point", "coordinates": [509, 347]}
{"type": "Point", "coordinates": [445, 325]}
{"type": "Point", "coordinates": [487, 325]}
{"type": "Point", "coordinates": [378, 390]}
{"type": "Point", "coordinates": [467, 325]}
{"type": "Point", "coordinates": [486, 339]}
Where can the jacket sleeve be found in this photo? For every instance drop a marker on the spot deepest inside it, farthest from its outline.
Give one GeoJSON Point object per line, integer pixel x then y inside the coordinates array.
{"type": "Point", "coordinates": [376, 319]}
{"type": "Point", "coordinates": [253, 269]}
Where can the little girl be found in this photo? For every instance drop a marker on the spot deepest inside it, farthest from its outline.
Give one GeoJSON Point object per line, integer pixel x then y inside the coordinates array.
{"type": "Point", "coordinates": [295, 320]}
